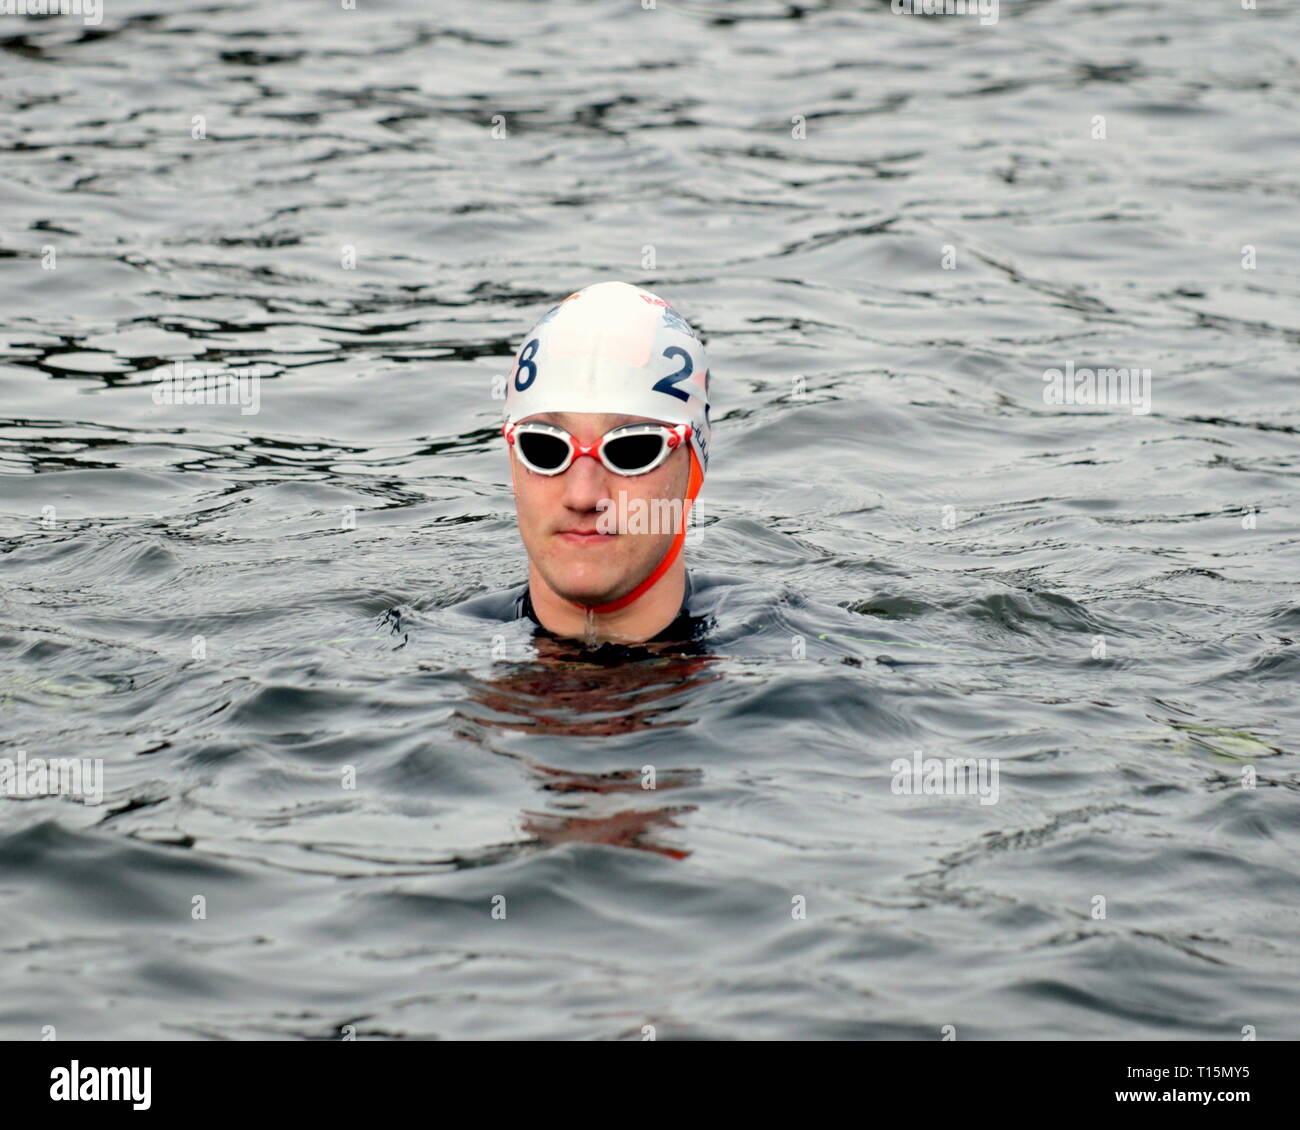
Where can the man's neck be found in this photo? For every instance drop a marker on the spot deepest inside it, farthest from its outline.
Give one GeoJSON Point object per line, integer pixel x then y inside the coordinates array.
{"type": "Point", "coordinates": [637, 622]}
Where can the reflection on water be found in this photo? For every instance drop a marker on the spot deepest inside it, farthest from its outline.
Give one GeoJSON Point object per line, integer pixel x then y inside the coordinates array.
{"type": "Point", "coordinates": [589, 694]}
{"type": "Point", "coordinates": [584, 698]}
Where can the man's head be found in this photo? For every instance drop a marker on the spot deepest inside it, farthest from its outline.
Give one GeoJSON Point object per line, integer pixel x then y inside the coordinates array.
{"type": "Point", "coordinates": [609, 356]}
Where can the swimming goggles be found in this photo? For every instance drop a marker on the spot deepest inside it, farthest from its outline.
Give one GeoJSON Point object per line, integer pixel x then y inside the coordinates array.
{"type": "Point", "coordinates": [632, 449]}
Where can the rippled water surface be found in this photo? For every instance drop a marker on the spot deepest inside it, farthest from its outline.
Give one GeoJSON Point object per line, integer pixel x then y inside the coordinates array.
{"type": "Point", "coordinates": [234, 611]}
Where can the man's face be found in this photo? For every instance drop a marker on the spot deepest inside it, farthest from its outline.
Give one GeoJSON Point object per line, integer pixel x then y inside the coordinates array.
{"type": "Point", "coordinates": [558, 514]}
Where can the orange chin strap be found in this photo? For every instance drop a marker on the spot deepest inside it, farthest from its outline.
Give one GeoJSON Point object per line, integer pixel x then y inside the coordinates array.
{"type": "Point", "coordinates": [692, 489]}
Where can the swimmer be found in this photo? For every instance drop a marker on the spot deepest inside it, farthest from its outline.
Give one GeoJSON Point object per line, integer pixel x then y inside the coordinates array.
{"type": "Point", "coordinates": [607, 415]}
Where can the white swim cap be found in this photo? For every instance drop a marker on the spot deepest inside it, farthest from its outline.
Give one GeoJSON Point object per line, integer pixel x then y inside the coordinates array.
{"type": "Point", "coordinates": [619, 349]}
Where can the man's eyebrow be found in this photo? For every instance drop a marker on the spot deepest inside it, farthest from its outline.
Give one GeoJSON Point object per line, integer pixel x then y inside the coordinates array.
{"type": "Point", "coordinates": [564, 419]}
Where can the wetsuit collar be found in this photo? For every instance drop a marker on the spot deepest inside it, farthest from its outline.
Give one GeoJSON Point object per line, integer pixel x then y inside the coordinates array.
{"type": "Point", "coordinates": [679, 628]}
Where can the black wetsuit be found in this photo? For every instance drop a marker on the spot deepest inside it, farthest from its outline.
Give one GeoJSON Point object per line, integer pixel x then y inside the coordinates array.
{"type": "Point", "coordinates": [516, 604]}
{"type": "Point", "coordinates": [719, 614]}
{"type": "Point", "coordinates": [690, 623]}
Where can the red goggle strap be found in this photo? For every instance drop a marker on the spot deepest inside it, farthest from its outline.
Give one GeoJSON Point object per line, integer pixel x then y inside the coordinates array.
{"type": "Point", "coordinates": [694, 484]}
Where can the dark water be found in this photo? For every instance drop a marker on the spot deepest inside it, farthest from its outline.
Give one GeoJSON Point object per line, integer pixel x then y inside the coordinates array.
{"type": "Point", "coordinates": [966, 548]}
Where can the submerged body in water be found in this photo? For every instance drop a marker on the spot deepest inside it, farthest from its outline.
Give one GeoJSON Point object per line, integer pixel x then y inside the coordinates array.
{"type": "Point", "coordinates": [629, 697]}
{"type": "Point", "coordinates": [719, 615]}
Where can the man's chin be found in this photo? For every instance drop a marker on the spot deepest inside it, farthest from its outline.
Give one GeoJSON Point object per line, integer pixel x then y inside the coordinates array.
{"type": "Point", "coordinates": [584, 584]}
{"type": "Point", "coordinates": [591, 595]}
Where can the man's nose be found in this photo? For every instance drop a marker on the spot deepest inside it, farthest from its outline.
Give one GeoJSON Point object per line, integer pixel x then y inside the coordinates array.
{"type": "Point", "coordinates": [585, 483]}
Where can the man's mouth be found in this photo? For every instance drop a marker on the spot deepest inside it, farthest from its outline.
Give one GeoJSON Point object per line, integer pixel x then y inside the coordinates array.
{"type": "Point", "coordinates": [590, 536]}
